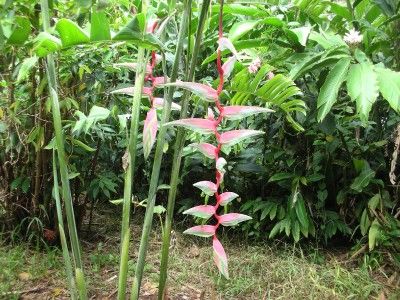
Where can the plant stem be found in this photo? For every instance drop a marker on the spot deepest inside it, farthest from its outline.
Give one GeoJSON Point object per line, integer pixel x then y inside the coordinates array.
{"type": "Point", "coordinates": [129, 174]}
{"type": "Point", "coordinates": [64, 246]}
{"type": "Point", "coordinates": [148, 219]}
{"type": "Point", "coordinates": [66, 191]}
{"type": "Point", "coordinates": [178, 148]}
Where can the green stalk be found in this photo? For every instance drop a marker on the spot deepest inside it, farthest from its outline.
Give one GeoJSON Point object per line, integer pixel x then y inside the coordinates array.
{"type": "Point", "coordinates": [178, 148]}
{"type": "Point", "coordinates": [64, 246]}
{"type": "Point", "coordinates": [148, 219]}
{"type": "Point", "coordinates": [66, 191]}
{"type": "Point", "coordinates": [129, 174]}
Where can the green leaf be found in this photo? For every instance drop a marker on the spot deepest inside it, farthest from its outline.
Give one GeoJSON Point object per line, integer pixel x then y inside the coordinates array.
{"type": "Point", "coordinates": [302, 34]}
{"type": "Point", "coordinates": [240, 29]}
{"type": "Point", "coordinates": [99, 26]}
{"type": "Point", "coordinates": [389, 86]}
{"type": "Point", "coordinates": [83, 145]}
{"type": "Point", "coordinates": [242, 10]}
{"type": "Point", "coordinates": [45, 43]}
{"type": "Point", "coordinates": [70, 33]}
{"type": "Point", "coordinates": [330, 89]}
{"type": "Point", "coordinates": [362, 180]}
{"type": "Point", "coordinates": [26, 67]}
{"type": "Point", "coordinates": [301, 212]}
{"type": "Point", "coordinates": [84, 3]}
{"type": "Point", "coordinates": [373, 235]}
{"type": "Point", "coordinates": [362, 86]}
{"type": "Point", "coordinates": [281, 176]}
{"type": "Point", "coordinates": [364, 222]}
{"type": "Point", "coordinates": [133, 32]}
{"type": "Point", "coordinates": [21, 31]}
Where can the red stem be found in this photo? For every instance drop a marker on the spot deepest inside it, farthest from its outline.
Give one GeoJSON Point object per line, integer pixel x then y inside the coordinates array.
{"type": "Point", "coordinates": [218, 176]}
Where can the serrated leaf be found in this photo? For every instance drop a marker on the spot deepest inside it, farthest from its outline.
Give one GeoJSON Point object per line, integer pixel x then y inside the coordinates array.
{"type": "Point", "coordinates": [233, 219]}
{"type": "Point", "coordinates": [226, 198]}
{"type": "Point", "coordinates": [203, 91]}
{"type": "Point", "coordinates": [149, 131]}
{"type": "Point", "coordinates": [208, 150]}
{"type": "Point", "coordinates": [236, 112]}
{"type": "Point", "coordinates": [362, 86]}
{"type": "Point", "coordinates": [203, 126]}
{"type": "Point", "coordinates": [330, 89]}
{"type": "Point", "coordinates": [201, 230]}
{"type": "Point", "coordinates": [230, 138]}
{"type": "Point", "coordinates": [220, 258]}
{"type": "Point", "coordinates": [207, 187]}
{"type": "Point", "coordinates": [389, 86]}
{"type": "Point", "coordinates": [201, 211]}
{"type": "Point", "coordinates": [26, 67]}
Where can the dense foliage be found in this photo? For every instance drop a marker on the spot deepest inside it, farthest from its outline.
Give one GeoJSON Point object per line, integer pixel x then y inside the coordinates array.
{"type": "Point", "coordinates": [324, 170]}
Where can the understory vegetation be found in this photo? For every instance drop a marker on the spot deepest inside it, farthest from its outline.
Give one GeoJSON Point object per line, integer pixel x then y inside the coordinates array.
{"type": "Point", "coordinates": [274, 124]}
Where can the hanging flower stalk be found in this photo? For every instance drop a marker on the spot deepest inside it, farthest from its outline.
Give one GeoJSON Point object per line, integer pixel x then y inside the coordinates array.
{"type": "Point", "coordinates": [212, 126]}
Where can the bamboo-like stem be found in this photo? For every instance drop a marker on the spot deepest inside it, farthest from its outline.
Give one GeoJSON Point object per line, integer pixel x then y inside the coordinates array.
{"type": "Point", "coordinates": [129, 174]}
{"type": "Point", "coordinates": [177, 158]}
{"type": "Point", "coordinates": [64, 246]}
{"type": "Point", "coordinates": [66, 191]}
{"type": "Point", "coordinates": [148, 219]}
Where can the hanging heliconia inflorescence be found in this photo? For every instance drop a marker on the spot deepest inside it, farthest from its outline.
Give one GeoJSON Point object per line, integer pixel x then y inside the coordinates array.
{"type": "Point", "coordinates": [211, 126]}
{"type": "Point", "coordinates": [151, 122]}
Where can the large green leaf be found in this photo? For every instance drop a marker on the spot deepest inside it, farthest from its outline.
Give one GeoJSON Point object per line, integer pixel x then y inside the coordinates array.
{"type": "Point", "coordinates": [362, 86]}
{"type": "Point", "coordinates": [70, 33]}
{"type": "Point", "coordinates": [329, 90]}
{"type": "Point", "coordinates": [240, 29]}
{"type": "Point", "coordinates": [99, 26]}
{"type": "Point", "coordinates": [45, 43]}
{"type": "Point", "coordinates": [389, 86]}
{"type": "Point", "coordinates": [20, 34]}
{"type": "Point", "coordinates": [133, 31]}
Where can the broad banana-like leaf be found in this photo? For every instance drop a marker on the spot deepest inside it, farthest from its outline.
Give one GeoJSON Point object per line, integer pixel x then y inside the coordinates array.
{"type": "Point", "coordinates": [226, 198]}
{"type": "Point", "coordinates": [233, 137]}
{"type": "Point", "coordinates": [149, 131]}
{"type": "Point", "coordinates": [330, 89]}
{"type": "Point", "coordinates": [220, 258]}
{"type": "Point", "coordinates": [233, 219]}
{"type": "Point", "coordinates": [201, 211]}
{"type": "Point", "coordinates": [203, 126]}
{"type": "Point", "coordinates": [201, 230]}
{"type": "Point", "coordinates": [236, 112]}
{"type": "Point", "coordinates": [70, 33]}
{"type": "Point", "coordinates": [207, 187]}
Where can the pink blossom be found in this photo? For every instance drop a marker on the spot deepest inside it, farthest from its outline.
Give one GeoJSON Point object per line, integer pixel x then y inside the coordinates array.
{"type": "Point", "coordinates": [254, 66]}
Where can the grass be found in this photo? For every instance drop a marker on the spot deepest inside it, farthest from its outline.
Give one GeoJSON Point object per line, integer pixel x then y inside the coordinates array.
{"type": "Point", "coordinates": [257, 271]}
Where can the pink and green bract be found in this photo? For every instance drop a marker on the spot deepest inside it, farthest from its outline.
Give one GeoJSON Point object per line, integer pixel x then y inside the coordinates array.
{"type": "Point", "coordinates": [210, 125]}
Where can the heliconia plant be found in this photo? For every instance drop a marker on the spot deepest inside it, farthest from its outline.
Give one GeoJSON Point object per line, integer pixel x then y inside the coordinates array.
{"type": "Point", "coordinates": [212, 126]}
